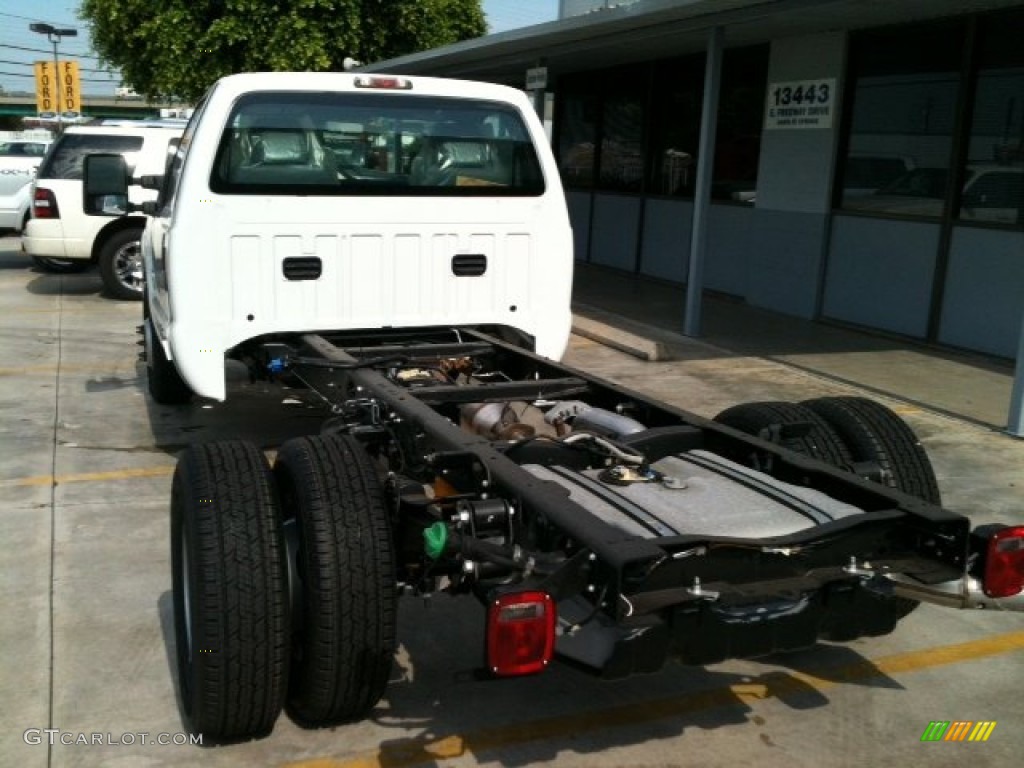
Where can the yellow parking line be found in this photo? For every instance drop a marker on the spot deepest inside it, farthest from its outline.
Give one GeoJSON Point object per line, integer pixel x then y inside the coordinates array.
{"type": "Point", "coordinates": [87, 477]}
{"type": "Point", "coordinates": [422, 752]}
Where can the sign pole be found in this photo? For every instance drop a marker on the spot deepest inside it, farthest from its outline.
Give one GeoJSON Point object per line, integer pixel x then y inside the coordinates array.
{"type": "Point", "coordinates": [60, 87]}
{"type": "Point", "coordinates": [54, 35]}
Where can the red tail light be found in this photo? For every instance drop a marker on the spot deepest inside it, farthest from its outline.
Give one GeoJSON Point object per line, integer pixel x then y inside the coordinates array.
{"type": "Point", "coordinates": [44, 205]}
{"type": "Point", "coordinates": [520, 633]}
{"type": "Point", "coordinates": [383, 82]}
{"type": "Point", "coordinates": [1004, 563]}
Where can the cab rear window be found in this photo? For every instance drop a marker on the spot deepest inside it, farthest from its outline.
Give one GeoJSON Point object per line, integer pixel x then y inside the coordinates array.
{"type": "Point", "coordinates": [365, 144]}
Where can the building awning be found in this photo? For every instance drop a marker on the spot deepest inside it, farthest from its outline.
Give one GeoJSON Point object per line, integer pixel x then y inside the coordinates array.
{"type": "Point", "coordinates": [654, 29]}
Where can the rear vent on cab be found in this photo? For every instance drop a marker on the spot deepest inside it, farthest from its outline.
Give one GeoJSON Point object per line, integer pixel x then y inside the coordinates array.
{"type": "Point", "coordinates": [469, 264]}
{"type": "Point", "coordinates": [302, 268]}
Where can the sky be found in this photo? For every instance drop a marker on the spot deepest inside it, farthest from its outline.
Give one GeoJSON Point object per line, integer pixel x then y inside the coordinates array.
{"type": "Point", "coordinates": [16, 15]}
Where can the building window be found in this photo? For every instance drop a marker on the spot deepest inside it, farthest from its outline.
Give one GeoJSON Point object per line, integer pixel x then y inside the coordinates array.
{"type": "Point", "coordinates": [612, 124]}
{"type": "Point", "coordinates": [622, 156]}
{"type": "Point", "coordinates": [901, 117]}
{"type": "Point", "coordinates": [675, 133]}
{"type": "Point", "coordinates": [601, 129]}
{"type": "Point", "coordinates": [993, 190]}
{"type": "Point", "coordinates": [577, 136]}
{"type": "Point", "coordinates": [740, 118]}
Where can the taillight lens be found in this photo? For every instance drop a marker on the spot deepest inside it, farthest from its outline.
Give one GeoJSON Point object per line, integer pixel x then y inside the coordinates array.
{"type": "Point", "coordinates": [520, 633]}
{"type": "Point", "coordinates": [1004, 563]}
{"type": "Point", "coordinates": [44, 205]}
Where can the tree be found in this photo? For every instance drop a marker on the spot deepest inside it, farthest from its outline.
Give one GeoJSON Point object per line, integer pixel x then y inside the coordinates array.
{"type": "Point", "coordinates": [177, 48]}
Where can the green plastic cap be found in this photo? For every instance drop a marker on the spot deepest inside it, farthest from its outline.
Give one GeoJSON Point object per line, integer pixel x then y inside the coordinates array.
{"type": "Point", "coordinates": [434, 539]}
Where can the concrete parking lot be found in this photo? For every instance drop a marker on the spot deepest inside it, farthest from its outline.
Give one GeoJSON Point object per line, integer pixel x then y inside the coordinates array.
{"type": "Point", "coordinates": [85, 611]}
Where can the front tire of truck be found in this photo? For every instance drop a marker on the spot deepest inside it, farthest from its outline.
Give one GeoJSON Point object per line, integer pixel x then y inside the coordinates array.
{"type": "Point", "coordinates": [165, 384]}
{"type": "Point", "coordinates": [344, 644]}
{"type": "Point", "coordinates": [231, 610]}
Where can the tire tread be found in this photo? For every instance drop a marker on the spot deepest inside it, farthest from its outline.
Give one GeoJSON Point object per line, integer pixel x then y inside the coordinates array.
{"type": "Point", "coordinates": [236, 686]}
{"type": "Point", "coordinates": [821, 441]}
{"type": "Point", "coordinates": [875, 433]}
{"type": "Point", "coordinates": [347, 566]}
{"type": "Point", "coordinates": [111, 283]}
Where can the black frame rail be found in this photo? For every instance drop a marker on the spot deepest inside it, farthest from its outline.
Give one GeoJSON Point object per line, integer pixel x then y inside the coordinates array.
{"type": "Point", "coordinates": [749, 560]}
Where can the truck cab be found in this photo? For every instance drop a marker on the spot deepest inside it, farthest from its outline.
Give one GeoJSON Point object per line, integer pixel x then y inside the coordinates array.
{"type": "Point", "coordinates": [301, 202]}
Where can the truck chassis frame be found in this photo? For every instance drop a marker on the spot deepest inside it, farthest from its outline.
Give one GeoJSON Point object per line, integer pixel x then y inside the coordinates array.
{"type": "Point", "coordinates": [494, 507]}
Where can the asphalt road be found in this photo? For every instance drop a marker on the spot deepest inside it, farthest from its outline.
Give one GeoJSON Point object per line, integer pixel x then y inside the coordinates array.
{"type": "Point", "coordinates": [85, 620]}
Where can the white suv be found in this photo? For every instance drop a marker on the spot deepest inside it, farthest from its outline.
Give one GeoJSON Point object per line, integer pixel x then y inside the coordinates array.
{"type": "Point", "coordinates": [60, 237]}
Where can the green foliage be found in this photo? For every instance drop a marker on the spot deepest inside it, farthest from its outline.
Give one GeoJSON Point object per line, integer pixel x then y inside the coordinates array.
{"type": "Point", "coordinates": [177, 48]}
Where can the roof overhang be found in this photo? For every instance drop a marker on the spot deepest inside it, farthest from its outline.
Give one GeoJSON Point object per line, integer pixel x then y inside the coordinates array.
{"type": "Point", "coordinates": [654, 29]}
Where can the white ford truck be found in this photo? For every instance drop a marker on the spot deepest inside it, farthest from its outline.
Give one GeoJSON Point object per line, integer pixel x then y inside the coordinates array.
{"type": "Point", "coordinates": [304, 202]}
{"type": "Point", "coordinates": [399, 249]}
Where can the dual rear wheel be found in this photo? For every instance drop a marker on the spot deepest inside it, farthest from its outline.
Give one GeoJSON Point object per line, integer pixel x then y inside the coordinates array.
{"type": "Point", "coordinates": [846, 432]}
{"type": "Point", "coordinates": [849, 433]}
{"type": "Point", "coordinates": [264, 619]}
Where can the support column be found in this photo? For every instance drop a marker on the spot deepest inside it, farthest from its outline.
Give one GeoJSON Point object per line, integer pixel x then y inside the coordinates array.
{"type": "Point", "coordinates": [702, 193]}
{"type": "Point", "coordinates": [1015, 422]}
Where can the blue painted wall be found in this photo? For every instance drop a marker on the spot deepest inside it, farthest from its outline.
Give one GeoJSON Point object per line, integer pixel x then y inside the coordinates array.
{"type": "Point", "coordinates": [984, 300]}
{"type": "Point", "coordinates": [880, 273]}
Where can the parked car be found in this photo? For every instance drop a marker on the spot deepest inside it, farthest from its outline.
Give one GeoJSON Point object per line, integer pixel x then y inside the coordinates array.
{"type": "Point", "coordinates": [992, 193]}
{"type": "Point", "coordinates": [60, 237]}
{"type": "Point", "coordinates": [19, 159]}
{"type": "Point", "coordinates": [866, 174]}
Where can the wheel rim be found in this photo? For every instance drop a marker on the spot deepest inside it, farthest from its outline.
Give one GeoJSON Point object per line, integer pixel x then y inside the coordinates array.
{"type": "Point", "coordinates": [128, 265]}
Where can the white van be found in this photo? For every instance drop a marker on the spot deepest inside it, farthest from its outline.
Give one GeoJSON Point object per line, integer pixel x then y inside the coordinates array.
{"type": "Point", "coordinates": [304, 202]}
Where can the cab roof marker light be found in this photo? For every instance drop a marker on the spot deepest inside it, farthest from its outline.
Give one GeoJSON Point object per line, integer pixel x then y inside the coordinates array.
{"type": "Point", "coordinates": [1004, 563]}
{"type": "Point", "coordinates": [383, 83]}
{"type": "Point", "coordinates": [520, 633]}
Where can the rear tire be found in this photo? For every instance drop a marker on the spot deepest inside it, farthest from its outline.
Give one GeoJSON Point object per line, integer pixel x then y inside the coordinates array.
{"type": "Point", "coordinates": [820, 442]}
{"type": "Point", "coordinates": [60, 266]}
{"type": "Point", "coordinates": [121, 265]}
{"type": "Point", "coordinates": [344, 646]}
{"type": "Point", "coordinates": [874, 433]}
{"type": "Point", "coordinates": [163, 380]}
{"type": "Point", "coordinates": [231, 606]}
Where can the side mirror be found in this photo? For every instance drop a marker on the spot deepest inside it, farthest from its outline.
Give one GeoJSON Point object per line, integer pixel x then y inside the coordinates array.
{"type": "Point", "coordinates": [152, 182]}
{"type": "Point", "coordinates": [105, 185]}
